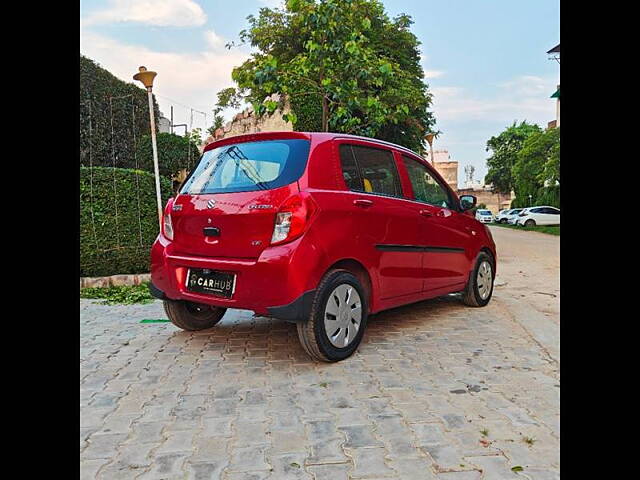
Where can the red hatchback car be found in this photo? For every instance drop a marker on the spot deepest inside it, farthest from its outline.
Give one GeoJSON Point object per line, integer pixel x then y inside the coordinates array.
{"type": "Point", "coordinates": [320, 229]}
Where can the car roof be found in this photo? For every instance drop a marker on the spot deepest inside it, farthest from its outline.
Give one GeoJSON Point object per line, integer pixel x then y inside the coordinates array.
{"type": "Point", "coordinates": [317, 136]}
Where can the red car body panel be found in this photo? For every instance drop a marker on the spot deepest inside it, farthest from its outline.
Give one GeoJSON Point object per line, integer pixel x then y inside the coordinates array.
{"type": "Point", "coordinates": [409, 250]}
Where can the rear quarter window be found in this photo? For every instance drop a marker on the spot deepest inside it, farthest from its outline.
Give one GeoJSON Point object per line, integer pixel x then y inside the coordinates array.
{"type": "Point", "coordinates": [369, 170]}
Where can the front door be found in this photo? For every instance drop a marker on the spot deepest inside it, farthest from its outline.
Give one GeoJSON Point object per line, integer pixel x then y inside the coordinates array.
{"type": "Point", "coordinates": [444, 234]}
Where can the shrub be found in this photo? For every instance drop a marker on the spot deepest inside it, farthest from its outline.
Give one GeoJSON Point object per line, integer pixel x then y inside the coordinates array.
{"type": "Point", "coordinates": [119, 237]}
{"type": "Point", "coordinates": [174, 153]}
{"type": "Point", "coordinates": [102, 141]}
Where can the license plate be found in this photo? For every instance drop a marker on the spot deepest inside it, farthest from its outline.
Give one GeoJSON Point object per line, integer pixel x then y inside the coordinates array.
{"type": "Point", "coordinates": [211, 282]}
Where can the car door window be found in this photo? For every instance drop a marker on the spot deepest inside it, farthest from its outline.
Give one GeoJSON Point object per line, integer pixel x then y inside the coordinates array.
{"type": "Point", "coordinates": [426, 188]}
{"type": "Point", "coordinates": [370, 170]}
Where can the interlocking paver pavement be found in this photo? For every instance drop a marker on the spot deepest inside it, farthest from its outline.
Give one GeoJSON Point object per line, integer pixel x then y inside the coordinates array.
{"type": "Point", "coordinates": [436, 390]}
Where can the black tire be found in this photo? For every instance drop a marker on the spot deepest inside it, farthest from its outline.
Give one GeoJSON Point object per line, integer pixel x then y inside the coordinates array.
{"type": "Point", "coordinates": [312, 332]}
{"type": "Point", "coordinates": [530, 223]}
{"type": "Point", "coordinates": [192, 316]}
{"type": "Point", "coordinates": [471, 295]}
{"type": "Point", "coordinates": [503, 220]}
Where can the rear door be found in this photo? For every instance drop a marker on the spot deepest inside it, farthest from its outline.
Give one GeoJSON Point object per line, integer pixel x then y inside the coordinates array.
{"type": "Point", "coordinates": [382, 217]}
{"type": "Point", "coordinates": [445, 233]}
{"type": "Point", "coordinates": [227, 207]}
{"type": "Point", "coordinates": [551, 216]}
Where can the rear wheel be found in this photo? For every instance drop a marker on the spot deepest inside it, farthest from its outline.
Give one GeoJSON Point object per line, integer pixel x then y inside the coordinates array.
{"type": "Point", "coordinates": [530, 223]}
{"type": "Point", "coordinates": [192, 316]}
{"type": "Point", "coordinates": [480, 285]}
{"type": "Point", "coordinates": [337, 320]}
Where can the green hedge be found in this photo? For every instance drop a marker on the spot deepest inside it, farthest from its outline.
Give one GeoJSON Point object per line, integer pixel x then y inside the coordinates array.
{"type": "Point", "coordinates": [173, 154]}
{"type": "Point", "coordinates": [122, 245]}
{"type": "Point", "coordinates": [101, 140]}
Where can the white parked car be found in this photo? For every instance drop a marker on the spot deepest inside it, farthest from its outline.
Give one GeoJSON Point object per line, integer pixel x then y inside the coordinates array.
{"type": "Point", "coordinates": [544, 215]}
{"type": "Point", "coordinates": [508, 216]}
{"type": "Point", "coordinates": [484, 216]}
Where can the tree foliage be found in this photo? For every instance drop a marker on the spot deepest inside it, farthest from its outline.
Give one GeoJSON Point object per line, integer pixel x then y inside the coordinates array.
{"type": "Point", "coordinates": [359, 69]}
{"type": "Point", "coordinates": [504, 150]}
{"type": "Point", "coordinates": [109, 130]}
{"type": "Point", "coordinates": [537, 169]}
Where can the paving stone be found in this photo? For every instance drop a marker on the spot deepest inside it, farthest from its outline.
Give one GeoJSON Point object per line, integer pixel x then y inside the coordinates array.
{"type": "Point", "coordinates": [89, 468]}
{"type": "Point", "coordinates": [494, 467]}
{"type": "Point", "coordinates": [466, 475]}
{"type": "Point", "coordinates": [360, 436]}
{"type": "Point", "coordinates": [166, 466]}
{"type": "Point", "coordinates": [289, 466]}
{"type": "Point", "coordinates": [413, 468]}
{"type": "Point", "coordinates": [335, 471]}
{"type": "Point", "coordinates": [211, 470]}
{"type": "Point", "coordinates": [103, 445]}
{"type": "Point", "coordinates": [248, 459]}
{"type": "Point", "coordinates": [368, 462]}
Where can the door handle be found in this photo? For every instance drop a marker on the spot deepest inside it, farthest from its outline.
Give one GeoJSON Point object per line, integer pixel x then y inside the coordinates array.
{"type": "Point", "coordinates": [361, 202]}
{"type": "Point", "coordinates": [426, 213]}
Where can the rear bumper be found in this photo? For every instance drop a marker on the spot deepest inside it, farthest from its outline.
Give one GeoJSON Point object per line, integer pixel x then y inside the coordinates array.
{"type": "Point", "coordinates": [275, 284]}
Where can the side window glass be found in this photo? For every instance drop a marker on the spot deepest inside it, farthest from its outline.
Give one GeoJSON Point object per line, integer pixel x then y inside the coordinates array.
{"type": "Point", "coordinates": [377, 170]}
{"type": "Point", "coordinates": [425, 188]}
{"type": "Point", "coordinates": [350, 169]}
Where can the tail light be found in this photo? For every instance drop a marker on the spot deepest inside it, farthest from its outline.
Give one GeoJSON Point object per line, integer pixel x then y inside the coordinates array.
{"type": "Point", "coordinates": [293, 218]}
{"type": "Point", "coordinates": [167, 226]}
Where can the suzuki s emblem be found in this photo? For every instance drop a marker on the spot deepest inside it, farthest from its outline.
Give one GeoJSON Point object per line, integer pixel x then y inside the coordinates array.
{"type": "Point", "coordinates": [211, 203]}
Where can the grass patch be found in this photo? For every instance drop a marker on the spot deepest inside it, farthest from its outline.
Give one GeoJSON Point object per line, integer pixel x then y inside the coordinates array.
{"type": "Point", "coordinates": [550, 229]}
{"type": "Point", "coordinates": [120, 295]}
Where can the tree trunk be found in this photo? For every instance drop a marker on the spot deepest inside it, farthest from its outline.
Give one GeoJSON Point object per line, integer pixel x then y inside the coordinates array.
{"type": "Point", "coordinates": [325, 114]}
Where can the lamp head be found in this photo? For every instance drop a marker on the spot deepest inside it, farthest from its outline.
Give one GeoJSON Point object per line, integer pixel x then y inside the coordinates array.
{"type": "Point", "coordinates": [429, 137]}
{"type": "Point", "coordinates": [145, 76]}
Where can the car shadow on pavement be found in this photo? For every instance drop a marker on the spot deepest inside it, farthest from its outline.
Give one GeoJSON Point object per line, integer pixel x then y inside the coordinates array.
{"type": "Point", "coordinates": [242, 336]}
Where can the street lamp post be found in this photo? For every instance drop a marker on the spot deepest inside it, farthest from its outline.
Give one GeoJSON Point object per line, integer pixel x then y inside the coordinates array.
{"type": "Point", "coordinates": [146, 77]}
{"type": "Point", "coordinates": [429, 137]}
{"type": "Point", "coordinates": [529, 199]}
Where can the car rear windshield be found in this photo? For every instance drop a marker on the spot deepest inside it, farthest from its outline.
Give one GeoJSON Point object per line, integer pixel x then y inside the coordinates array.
{"type": "Point", "coordinates": [484, 212]}
{"type": "Point", "coordinates": [248, 166]}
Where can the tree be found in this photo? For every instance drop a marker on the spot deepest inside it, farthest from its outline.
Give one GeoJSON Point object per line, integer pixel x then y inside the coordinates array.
{"type": "Point", "coordinates": [505, 148]}
{"type": "Point", "coordinates": [352, 64]}
{"type": "Point", "coordinates": [537, 169]}
{"type": "Point", "coordinates": [218, 121]}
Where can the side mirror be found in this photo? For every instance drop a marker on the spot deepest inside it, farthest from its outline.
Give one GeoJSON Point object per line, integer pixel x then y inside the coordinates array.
{"type": "Point", "coordinates": [467, 202]}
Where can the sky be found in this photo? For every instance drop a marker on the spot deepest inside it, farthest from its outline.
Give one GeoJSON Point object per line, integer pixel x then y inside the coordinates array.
{"type": "Point", "coordinates": [485, 61]}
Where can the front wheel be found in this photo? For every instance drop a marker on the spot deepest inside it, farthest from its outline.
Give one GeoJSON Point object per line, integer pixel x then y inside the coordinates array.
{"type": "Point", "coordinates": [503, 220]}
{"type": "Point", "coordinates": [480, 285]}
{"type": "Point", "coordinates": [192, 316]}
{"type": "Point", "coordinates": [337, 319]}
{"type": "Point", "coordinates": [530, 223]}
